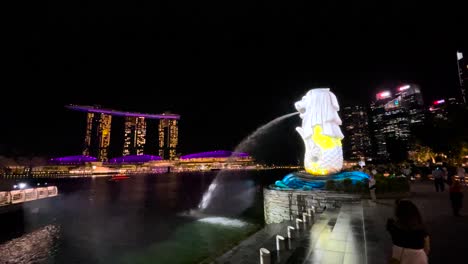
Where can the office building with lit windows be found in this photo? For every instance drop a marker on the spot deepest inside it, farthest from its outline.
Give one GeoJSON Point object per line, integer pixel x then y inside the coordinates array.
{"type": "Point", "coordinates": [357, 143]}
{"type": "Point", "coordinates": [98, 132]}
{"type": "Point", "coordinates": [135, 135]}
{"type": "Point", "coordinates": [444, 109]}
{"type": "Point", "coordinates": [168, 138]}
{"type": "Point", "coordinates": [97, 137]}
{"type": "Point", "coordinates": [394, 114]}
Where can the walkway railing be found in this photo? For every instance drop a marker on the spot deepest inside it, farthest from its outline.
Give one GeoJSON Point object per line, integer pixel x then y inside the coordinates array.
{"type": "Point", "coordinates": [26, 195]}
{"type": "Point", "coordinates": [303, 221]}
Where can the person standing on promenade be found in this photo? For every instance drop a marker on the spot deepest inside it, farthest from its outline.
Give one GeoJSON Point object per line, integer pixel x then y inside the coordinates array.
{"type": "Point", "coordinates": [456, 197]}
{"type": "Point", "coordinates": [372, 187]}
{"type": "Point", "coordinates": [461, 175]}
{"type": "Point", "coordinates": [410, 239]}
{"type": "Point", "coordinates": [438, 175]}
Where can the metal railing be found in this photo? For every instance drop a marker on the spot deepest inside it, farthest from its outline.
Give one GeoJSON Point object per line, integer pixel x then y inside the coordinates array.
{"type": "Point", "coordinates": [304, 220]}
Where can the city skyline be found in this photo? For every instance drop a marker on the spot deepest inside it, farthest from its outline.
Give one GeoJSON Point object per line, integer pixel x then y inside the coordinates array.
{"type": "Point", "coordinates": [234, 131]}
{"type": "Point", "coordinates": [185, 150]}
{"type": "Point", "coordinates": [214, 67]}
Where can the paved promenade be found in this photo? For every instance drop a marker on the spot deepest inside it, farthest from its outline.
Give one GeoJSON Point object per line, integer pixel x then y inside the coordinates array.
{"type": "Point", "coordinates": [355, 233]}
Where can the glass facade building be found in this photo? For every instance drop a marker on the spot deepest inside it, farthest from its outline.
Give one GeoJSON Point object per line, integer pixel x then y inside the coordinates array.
{"type": "Point", "coordinates": [357, 143]}
{"type": "Point", "coordinates": [393, 115]}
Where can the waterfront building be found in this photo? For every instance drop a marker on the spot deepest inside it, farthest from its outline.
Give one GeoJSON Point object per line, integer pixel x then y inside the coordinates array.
{"type": "Point", "coordinates": [203, 161]}
{"type": "Point", "coordinates": [97, 137]}
{"type": "Point", "coordinates": [216, 160]}
{"type": "Point", "coordinates": [135, 135]}
{"type": "Point", "coordinates": [168, 138]}
{"type": "Point", "coordinates": [98, 132]}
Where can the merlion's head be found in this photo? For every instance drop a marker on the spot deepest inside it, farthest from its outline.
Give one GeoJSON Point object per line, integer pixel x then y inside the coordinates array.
{"type": "Point", "coordinates": [320, 106]}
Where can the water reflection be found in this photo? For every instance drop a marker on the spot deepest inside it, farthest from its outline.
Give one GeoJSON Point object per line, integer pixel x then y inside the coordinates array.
{"type": "Point", "coordinates": [33, 247]}
{"type": "Point", "coordinates": [139, 218]}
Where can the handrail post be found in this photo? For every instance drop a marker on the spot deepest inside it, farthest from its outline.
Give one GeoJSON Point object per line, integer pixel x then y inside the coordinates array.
{"type": "Point", "coordinates": [304, 218]}
{"type": "Point", "coordinates": [297, 223]}
{"type": "Point", "coordinates": [279, 244]}
{"type": "Point", "coordinates": [265, 257]}
{"type": "Point", "coordinates": [311, 214]}
{"type": "Point", "coordinates": [289, 231]}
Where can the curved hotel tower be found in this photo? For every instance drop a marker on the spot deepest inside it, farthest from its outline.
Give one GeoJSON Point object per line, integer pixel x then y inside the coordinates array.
{"type": "Point", "coordinates": [98, 131]}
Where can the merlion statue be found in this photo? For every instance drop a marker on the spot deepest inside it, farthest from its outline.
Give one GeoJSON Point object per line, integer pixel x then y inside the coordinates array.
{"type": "Point", "coordinates": [321, 132]}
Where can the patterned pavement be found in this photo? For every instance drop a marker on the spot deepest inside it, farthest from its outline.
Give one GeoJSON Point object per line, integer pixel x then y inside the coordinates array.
{"type": "Point", "coordinates": [355, 233]}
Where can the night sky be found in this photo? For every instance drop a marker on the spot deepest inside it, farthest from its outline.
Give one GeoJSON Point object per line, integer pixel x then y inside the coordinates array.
{"type": "Point", "coordinates": [226, 67]}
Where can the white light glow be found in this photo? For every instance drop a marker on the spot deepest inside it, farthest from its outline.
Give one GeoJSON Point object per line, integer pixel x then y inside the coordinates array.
{"type": "Point", "coordinates": [223, 221]}
{"type": "Point", "coordinates": [383, 95]}
{"type": "Point", "coordinates": [403, 88]}
{"type": "Point", "coordinates": [22, 185]}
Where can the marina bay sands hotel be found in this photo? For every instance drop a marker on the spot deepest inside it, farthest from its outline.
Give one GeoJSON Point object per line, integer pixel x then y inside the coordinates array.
{"type": "Point", "coordinates": [98, 131]}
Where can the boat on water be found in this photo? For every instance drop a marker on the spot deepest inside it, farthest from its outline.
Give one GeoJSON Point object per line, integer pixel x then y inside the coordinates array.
{"type": "Point", "coordinates": [119, 177]}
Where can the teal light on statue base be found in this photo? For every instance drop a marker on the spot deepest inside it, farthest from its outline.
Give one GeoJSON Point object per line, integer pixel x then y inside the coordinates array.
{"type": "Point", "coordinates": [303, 181]}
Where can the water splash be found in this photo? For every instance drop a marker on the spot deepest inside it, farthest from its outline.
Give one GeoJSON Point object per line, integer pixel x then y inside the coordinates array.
{"type": "Point", "coordinates": [250, 141]}
{"type": "Point", "coordinates": [224, 221]}
{"type": "Point", "coordinates": [247, 144]}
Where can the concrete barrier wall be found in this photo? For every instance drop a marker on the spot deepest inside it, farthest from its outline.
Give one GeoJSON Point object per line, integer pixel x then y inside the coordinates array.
{"type": "Point", "coordinates": [17, 196]}
{"type": "Point", "coordinates": [52, 191]}
{"type": "Point", "coordinates": [42, 193]}
{"type": "Point", "coordinates": [283, 205]}
{"type": "Point", "coordinates": [5, 198]}
{"type": "Point", "coordinates": [31, 194]}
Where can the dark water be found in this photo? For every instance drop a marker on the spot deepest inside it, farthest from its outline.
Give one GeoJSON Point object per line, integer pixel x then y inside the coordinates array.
{"type": "Point", "coordinates": [138, 220]}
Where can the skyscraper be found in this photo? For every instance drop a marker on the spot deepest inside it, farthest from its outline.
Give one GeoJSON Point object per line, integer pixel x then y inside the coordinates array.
{"type": "Point", "coordinates": [357, 143]}
{"type": "Point", "coordinates": [462, 64]}
{"type": "Point", "coordinates": [443, 109]}
{"type": "Point", "coordinates": [97, 138]}
{"type": "Point", "coordinates": [168, 138]}
{"type": "Point", "coordinates": [394, 114]}
{"type": "Point", "coordinates": [135, 135]}
{"type": "Point", "coordinates": [98, 127]}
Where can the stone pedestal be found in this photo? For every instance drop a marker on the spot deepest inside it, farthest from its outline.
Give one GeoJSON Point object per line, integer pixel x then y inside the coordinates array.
{"type": "Point", "coordinates": [285, 205]}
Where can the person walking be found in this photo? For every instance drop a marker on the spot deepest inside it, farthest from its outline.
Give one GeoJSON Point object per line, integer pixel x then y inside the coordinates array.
{"type": "Point", "coordinates": [411, 242]}
{"type": "Point", "coordinates": [461, 175]}
{"type": "Point", "coordinates": [439, 176]}
{"type": "Point", "coordinates": [456, 197]}
{"type": "Point", "coordinates": [372, 187]}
